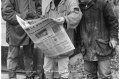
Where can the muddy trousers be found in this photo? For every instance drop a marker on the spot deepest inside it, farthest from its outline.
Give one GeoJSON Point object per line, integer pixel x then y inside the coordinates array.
{"type": "Point", "coordinates": [12, 59]}
{"type": "Point", "coordinates": [62, 67]}
{"type": "Point", "coordinates": [95, 68]}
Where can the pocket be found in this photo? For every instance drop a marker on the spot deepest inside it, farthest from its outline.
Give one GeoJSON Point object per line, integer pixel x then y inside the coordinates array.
{"type": "Point", "coordinates": [19, 30]}
{"type": "Point", "coordinates": [103, 46]}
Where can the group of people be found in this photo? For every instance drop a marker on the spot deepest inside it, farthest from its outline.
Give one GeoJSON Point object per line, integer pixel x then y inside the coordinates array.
{"type": "Point", "coordinates": [90, 24]}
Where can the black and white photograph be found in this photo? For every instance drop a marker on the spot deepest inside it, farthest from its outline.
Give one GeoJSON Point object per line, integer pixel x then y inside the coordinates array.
{"type": "Point", "coordinates": [91, 26]}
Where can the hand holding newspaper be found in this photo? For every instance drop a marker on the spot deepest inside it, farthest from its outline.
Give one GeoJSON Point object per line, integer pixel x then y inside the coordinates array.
{"type": "Point", "coordinates": [49, 36]}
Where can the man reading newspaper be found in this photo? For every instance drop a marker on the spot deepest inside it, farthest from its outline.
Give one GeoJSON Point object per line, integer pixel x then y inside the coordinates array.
{"type": "Point", "coordinates": [65, 12]}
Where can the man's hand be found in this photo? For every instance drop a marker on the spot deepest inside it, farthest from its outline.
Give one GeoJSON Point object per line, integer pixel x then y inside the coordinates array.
{"type": "Point", "coordinates": [31, 21]}
{"type": "Point", "coordinates": [31, 15]}
{"type": "Point", "coordinates": [60, 20]}
{"type": "Point", "coordinates": [113, 43]}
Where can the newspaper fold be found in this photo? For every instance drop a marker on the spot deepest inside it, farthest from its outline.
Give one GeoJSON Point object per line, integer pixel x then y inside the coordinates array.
{"type": "Point", "coordinates": [49, 35]}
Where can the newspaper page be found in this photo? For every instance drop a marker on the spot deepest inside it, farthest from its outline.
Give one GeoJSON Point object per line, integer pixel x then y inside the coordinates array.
{"type": "Point", "coordinates": [49, 36]}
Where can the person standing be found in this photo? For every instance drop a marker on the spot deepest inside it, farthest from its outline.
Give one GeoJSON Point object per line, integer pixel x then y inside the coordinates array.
{"type": "Point", "coordinates": [15, 35]}
{"type": "Point", "coordinates": [97, 36]}
{"type": "Point", "coordinates": [68, 13]}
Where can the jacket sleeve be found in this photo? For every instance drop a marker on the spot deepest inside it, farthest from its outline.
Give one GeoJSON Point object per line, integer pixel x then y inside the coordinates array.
{"type": "Point", "coordinates": [74, 14]}
{"type": "Point", "coordinates": [111, 20]}
{"type": "Point", "coordinates": [9, 13]}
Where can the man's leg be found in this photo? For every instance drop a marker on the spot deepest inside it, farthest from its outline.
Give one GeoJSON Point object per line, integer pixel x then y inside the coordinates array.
{"type": "Point", "coordinates": [12, 60]}
{"type": "Point", "coordinates": [48, 67]}
{"type": "Point", "coordinates": [104, 69]}
{"type": "Point", "coordinates": [28, 59]}
{"type": "Point", "coordinates": [38, 62]}
{"type": "Point", "coordinates": [63, 67]}
{"type": "Point", "coordinates": [91, 69]}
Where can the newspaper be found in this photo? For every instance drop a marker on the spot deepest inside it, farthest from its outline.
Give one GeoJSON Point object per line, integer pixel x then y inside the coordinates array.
{"type": "Point", "coordinates": [49, 36]}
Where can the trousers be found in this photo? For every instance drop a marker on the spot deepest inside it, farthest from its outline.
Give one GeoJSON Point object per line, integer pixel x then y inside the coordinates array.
{"type": "Point", "coordinates": [62, 66]}
{"type": "Point", "coordinates": [95, 68]}
{"type": "Point", "coordinates": [13, 55]}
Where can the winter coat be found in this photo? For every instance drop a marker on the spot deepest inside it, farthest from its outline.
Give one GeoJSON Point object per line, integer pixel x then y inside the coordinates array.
{"type": "Point", "coordinates": [97, 26]}
{"type": "Point", "coordinates": [26, 9]}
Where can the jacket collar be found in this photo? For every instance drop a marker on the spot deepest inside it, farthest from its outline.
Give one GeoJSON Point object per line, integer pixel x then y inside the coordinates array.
{"type": "Point", "coordinates": [52, 5]}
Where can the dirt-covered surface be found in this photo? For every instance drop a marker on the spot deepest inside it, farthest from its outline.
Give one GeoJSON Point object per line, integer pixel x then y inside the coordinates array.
{"type": "Point", "coordinates": [77, 67]}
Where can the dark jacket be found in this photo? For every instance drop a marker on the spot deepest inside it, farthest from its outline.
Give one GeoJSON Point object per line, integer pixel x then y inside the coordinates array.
{"type": "Point", "coordinates": [97, 26]}
{"type": "Point", "coordinates": [15, 35]}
